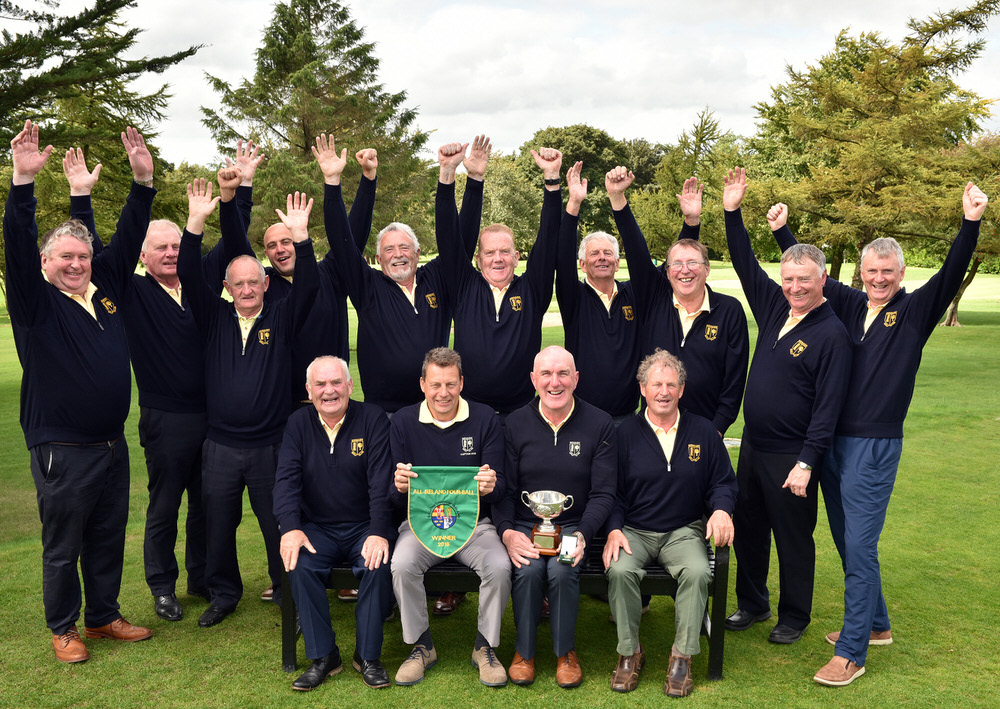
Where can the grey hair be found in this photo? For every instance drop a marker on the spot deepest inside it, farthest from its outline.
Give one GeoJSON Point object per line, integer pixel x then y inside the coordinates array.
{"type": "Point", "coordinates": [593, 236]}
{"type": "Point", "coordinates": [260, 266]}
{"type": "Point", "coordinates": [660, 358]}
{"type": "Point", "coordinates": [884, 247]}
{"type": "Point", "coordinates": [397, 226]}
{"type": "Point", "coordinates": [327, 358]}
{"type": "Point", "coordinates": [161, 222]}
{"type": "Point", "coordinates": [798, 253]}
{"type": "Point", "coordinates": [74, 228]}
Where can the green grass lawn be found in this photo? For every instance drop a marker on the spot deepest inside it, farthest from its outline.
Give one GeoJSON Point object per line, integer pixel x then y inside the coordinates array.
{"type": "Point", "coordinates": [939, 567]}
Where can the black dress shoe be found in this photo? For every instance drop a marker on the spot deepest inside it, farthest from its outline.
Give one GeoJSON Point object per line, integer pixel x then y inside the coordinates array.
{"type": "Point", "coordinates": [198, 591]}
{"type": "Point", "coordinates": [318, 671]}
{"type": "Point", "coordinates": [213, 615]}
{"type": "Point", "coordinates": [784, 635]}
{"type": "Point", "coordinates": [372, 672]}
{"type": "Point", "coordinates": [741, 619]}
{"type": "Point", "coordinates": [167, 607]}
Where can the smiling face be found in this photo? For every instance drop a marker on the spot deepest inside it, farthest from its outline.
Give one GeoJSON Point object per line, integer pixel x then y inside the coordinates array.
{"type": "Point", "coordinates": [159, 252]}
{"type": "Point", "coordinates": [330, 388]}
{"type": "Point", "coordinates": [599, 262]}
{"type": "Point", "coordinates": [279, 247]}
{"type": "Point", "coordinates": [66, 262]}
{"type": "Point", "coordinates": [554, 378]}
{"type": "Point", "coordinates": [398, 256]}
{"type": "Point", "coordinates": [882, 276]}
{"type": "Point", "coordinates": [802, 284]}
{"type": "Point", "coordinates": [441, 387]}
{"type": "Point", "coordinates": [497, 257]}
{"type": "Point", "coordinates": [687, 271]}
{"type": "Point", "coordinates": [245, 282]}
{"type": "Point", "coordinates": [662, 392]}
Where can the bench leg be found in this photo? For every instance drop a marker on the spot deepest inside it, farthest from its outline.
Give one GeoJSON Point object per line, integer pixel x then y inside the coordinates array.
{"type": "Point", "coordinates": [717, 620]}
{"type": "Point", "coordinates": [289, 636]}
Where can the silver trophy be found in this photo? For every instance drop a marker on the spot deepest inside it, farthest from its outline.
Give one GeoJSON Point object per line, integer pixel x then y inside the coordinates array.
{"type": "Point", "coordinates": [546, 504]}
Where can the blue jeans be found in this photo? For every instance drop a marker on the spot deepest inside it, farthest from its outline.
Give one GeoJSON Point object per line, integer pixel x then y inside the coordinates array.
{"type": "Point", "coordinates": [857, 478]}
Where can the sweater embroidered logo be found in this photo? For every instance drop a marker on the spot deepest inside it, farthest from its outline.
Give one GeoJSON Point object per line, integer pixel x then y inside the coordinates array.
{"type": "Point", "coordinates": [574, 448]}
{"type": "Point", "coordinates": [515, 302]}
{"type": "Point", "coordinates": [890, 319]}
{"type": "Point", "coordinates": [711, 332]}
{"type": "Point", "coordinates": [694, 452]}
{"type": "Point", "coordinates": [443, 507]}
{"type": "Point", "coordinates": [357, 447]}
{"type": "Point", "coordinates": [432, 299]}
{"type": "Point", "coordinates": [264, 336]}
{"type": "Point", "coordinates": [798, 348]}
{"type": "Point", "coordinates": [112, 308]}
{"type": "Point", "coordinates": [627, 310]}
{"type": "Point", "coordinates": [468, 445]}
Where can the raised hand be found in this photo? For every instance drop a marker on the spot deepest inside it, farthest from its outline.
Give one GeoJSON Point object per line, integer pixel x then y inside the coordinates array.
{"type": "Point", "coordinates": [577, 189]}
{"type": "Point", "coordinates": [332, 165]}
{"type": "Point", "coordinates": [974, 202]}
{"type": "Point", "coordinates": [229, 177]}
{"type": "Point", "coordinates": [735, 189]}
{"type": "Point", "coordinates": [201, 204]}
{"type": "Point", "coordinates": [139, 156]}
{"type": "Point", "coordinates": [296, 214]}
{"type": "Point", "coordinates": [81, 180]}
{"type": "Point", "coordinates": [248, 157]}
{"type": "Point", "coordinates": [479, 156]}
{"type": "Point", "coordinates": [690, 200]}
{"type": "Point", "coordinates": [550, 161]}
{"type": "Point", "coordinates": [368, 160]}
{"type": "Point", "coordinates": [28, 160]}
{"type": "Point", "coordinates": [616, 181]}
{"type": "Point", "coordinates": [450, 156]}
{"type": "Point", "coordinates": [777, 216]}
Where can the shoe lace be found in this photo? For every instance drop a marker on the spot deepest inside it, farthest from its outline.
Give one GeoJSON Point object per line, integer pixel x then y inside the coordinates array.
{"type": "Point", "coordinates": [69, 636]}
{"type": "Point", "coordinates": [571, 658]}
{"type": "Point", "coordinates": [419, 652]}
{"type": "Point", "coordinates": [491, 658]}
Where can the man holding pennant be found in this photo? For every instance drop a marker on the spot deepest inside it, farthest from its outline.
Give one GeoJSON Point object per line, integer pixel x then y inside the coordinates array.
{"type": "Point", "coordinates": [448, 511]}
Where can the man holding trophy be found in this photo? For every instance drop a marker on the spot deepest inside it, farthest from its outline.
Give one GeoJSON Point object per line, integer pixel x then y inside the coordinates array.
{"type": "Point", "coordinates": [563, 448]}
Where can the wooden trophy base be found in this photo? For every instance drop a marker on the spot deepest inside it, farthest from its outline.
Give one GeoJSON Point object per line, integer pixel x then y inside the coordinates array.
{"type": "Point", "coordinates": [547, 542]}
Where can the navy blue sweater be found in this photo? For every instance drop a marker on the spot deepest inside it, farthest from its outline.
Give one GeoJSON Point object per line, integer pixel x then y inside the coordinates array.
{"type": "Point", "coordinates": [247, 386]}
{"type": "Point", "coordinates": [887, 357]}
{"type": "Point", "coordinates": [498, 350]}
{"type": "Point", "coordinates": [580, 460]}
{"type": "Point", "coordinates": [715, 350]}
{"type": "Point", "coordinates": [323, 484]}
{"type": "Point", "coordinates": [657, 496]}
{"type": "Point", "coordinates": [797, 384]}
{"type": "Point", "coordinates": [76, 385]}
{"type": "Point", "coordinates": [476, 441]}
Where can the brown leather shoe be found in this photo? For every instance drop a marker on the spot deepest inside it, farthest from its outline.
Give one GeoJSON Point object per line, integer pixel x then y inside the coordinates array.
{"type": "Point", "coordinates": [347, 594]}
{"type": "Point", "coordinates": [625, 678]}
{"type": "Point", "coordinates": [545, 608]}
{"type": "Point", "coordinates": [838, 672]}
{"type": "Point", "coordinates": [679, 683]}
{"type": "Point", "coordinates": [878, 637]}
{"type": "Point", "coordinates": [268, 593]}
{"type": "Point", "coordinates": [569, 674]}
{"type": "Point", "coordinates": [69, 647]}
{"type": "Point", "coordinates": [448, 602]}
{"type": "Point", "coordinates": [119, 629]}
{"type": "Point", "coordinates": [522, 671]}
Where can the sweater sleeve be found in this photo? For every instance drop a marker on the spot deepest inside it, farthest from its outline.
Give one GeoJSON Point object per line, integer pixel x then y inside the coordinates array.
{"type": "Point", "coordinates": [81, 207]}
{"type": "Point", "coordinates": [646, 279]}
{"type": "Point", "coordinates": [734, 376]}
{"type": "Point", "coordinates": [832, 380]}
{"type": "Point", "coordinates": [456, 263]}
{"type": "Point", "coordinates": [233, 243]}
{"type": "Point", "coordinates": [541, 267]}
{"type": "Point", "coordinates": [305, 288]}
{"type": "Point", "coordinates": [379, 470]}
{"type": "Point", "coordinates": [471, 217]}
{"type": "Point", "coordinates": [722, 486]}
{"type": "Point", "coordinates": [362, 212]}
{"type": "Point", "coordinates": [350, 265]}
{"type": "Point", "coordinates": [200, 297]}
{"type": "Point", "coordinates": [784, 238]}
{"type": "Point", "coordinates": [930, 300]}
{"type": "Point", "coordinates": [567, 284]}
{"type": "Point", "coordinates": [757, 285]}
{"type": "Point", "coordinates": [288, 479]}
{"type": "Point", "coordinates": [118, 259]}
{"type": "Point", "coordinates": [503, 509]}
{"type": "Point", "coordinates": [493, 455]}
{"type": "Point", "coordinates": [603, 483]}
{"type": "Point", "coordinates": [25, 284]}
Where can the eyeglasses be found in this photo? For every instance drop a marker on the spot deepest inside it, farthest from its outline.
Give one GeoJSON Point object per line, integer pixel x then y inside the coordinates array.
{"type": "Point", "coordinates": [691, 265]}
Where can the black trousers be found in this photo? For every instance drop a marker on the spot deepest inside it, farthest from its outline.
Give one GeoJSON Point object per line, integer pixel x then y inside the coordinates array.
{"type": "Point", "coordinates": [82, 493]}
{"type": "Point", "coordinates": [172, 443]}
{"type": "Point", "coordinates": [763, 507]}
{"type": "Point", "coordinates": [225, 472]}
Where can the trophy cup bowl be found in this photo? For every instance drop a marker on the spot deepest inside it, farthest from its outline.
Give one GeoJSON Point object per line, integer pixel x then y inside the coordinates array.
{"type": "Point", "coordinates": [546, 504]}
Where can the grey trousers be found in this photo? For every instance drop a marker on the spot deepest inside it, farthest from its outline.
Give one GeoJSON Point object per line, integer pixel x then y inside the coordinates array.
{"type": "Point", "coordinates": [485, 554]}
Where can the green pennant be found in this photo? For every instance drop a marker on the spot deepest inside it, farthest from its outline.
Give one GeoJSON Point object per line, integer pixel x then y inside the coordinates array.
{"type": "Point", "coordinates": [443, 507]}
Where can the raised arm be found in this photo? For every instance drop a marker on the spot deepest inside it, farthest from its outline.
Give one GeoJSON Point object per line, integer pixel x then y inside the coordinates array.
{"type": "Point", "coordinates": [296, 219]}
{"type": "Point", "coordinates": [470, 217]}
{"type": "Point", "coordinates": [541, 271]}
{"type": "Point", "coordinates": [201, 204]}
{"type": "Point", "coordinates": [757, 285]}
{"type": "Point", "coordinates": [455, 259]}
{"type": "Point", "coordinates": [647, 283]}
{"type": "Point", "coordinates": [81, 183]}
{"type": "Point", "coordinates": [567, 283]}
{"type": "Point", "coordinates": [363, 206]}
{"type": "Point", "coordinates": [248, 158]}
{"type": "Point", "coordinates": [232, 227]}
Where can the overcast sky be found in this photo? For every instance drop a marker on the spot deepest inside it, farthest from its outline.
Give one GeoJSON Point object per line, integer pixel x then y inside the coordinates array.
{"type": "Point", "coordinates": [636, 68]}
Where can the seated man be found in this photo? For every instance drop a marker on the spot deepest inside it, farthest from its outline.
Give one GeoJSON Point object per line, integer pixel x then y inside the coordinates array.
{"type": "Point", "coordinates": [661, 517]}
{"type": "Point", "coordinates": [557, 442]}
{"type": "Point", "coordinates": [445, 429]}
{"type": "Point", "coordinates": [330, 497]}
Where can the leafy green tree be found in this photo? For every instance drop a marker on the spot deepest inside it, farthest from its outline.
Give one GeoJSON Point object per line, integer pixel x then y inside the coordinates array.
{"type": "Point", "coordinates": [511, 197]}
{"type": "Point", "coordinates": [315, 73]}
{"type": "Point", "coordinates": [864, 143]}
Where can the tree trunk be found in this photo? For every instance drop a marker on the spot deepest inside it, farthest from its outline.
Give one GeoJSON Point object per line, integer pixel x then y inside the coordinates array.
{"type": "Point", "coordinates": [836, 261]}
{"type": "Point", "coordinates": [951, 315]}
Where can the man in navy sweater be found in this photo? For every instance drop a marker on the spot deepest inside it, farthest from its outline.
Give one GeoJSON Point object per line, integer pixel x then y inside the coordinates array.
{"type": "Point", "coordinates": [75, 392]}
{"type": "Point", "coordinates": [445, 429]}
{"type": "Point", "coordinates": [498, 315]}
{"type": "Point", "coordinates": [673, 473]}
{"type": "Point", "coordinates": [167, 356]}
{"type": "Point", "coordinates": [681, 313]}
{"type": "Point", "coordinates": [557, 442]}
{"type": "Point", "coordinates": [888, 328]}
{"type": "Point", "coordinates": [796, 388]}
{"type": "Point", "coordinates": [330, 499]}
{"type": "Point", "coordinates": [247, 345]}
{"type": "Point", "coordinates": [403, 310]}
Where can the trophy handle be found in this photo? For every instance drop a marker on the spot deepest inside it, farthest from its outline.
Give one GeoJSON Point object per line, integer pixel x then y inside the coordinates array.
{"type": "Point", "coordinates": [568, 502]}
{"type": "Point", "coordinates": [524, 498]}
